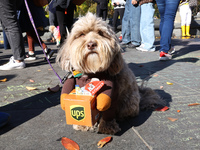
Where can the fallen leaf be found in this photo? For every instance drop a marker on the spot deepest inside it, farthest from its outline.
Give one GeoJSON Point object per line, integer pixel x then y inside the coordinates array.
{"type": "Point", "coordinates": [172, 119]}
{"type": "Point", "coordinates": [155, 75]}
{"type": "Point", "coordinates": [169, 83]}
{"type": "Point", "coordinates": [178, 110]}
{"type": "Point", "coordinates": [104, 141]}
{"type": "Point", "coordinates": [69, 144]}
{"type": "Point", "coordinates": [31, 88]}
{"type": "Point", "coordinates": [3, 80]}
{"type": "Point", "coordinates": [38, 70]}
{"type": "Point", "coordinates": [194, 104]}
{"type": "Point", "coordinates": [54, 89]}
{"type": "Point", "coordinates": [31, 80]}
{"type": "Point", "coordinates": [163, 108]}
{"type": "Point", "coordinates": [161, 87]}
{"type": "Point", "coordinates": [50, 69]}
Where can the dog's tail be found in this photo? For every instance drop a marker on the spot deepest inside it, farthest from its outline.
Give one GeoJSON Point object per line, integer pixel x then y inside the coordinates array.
{"type": "Point", "coordinates": [149, 98]}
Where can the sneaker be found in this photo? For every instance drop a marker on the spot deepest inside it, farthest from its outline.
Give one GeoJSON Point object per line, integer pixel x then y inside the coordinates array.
{"type": "Point", "coordinates": [165, 56]}
{"type": "Point", "coordinates": [145, 50]}
{"type": "Point", "coordinates": [49, 53]}
{"type": "Point", "coordinates": [131, 45]}
{"type": "Point", "coordinates": [12, 64]}
{"type": "Point", "coordinates": [30, 57]}
{"type": "Point", "coordinates": [124, 44]}
{"type": "Point", "coordinates": [120, 38]}
{"type": "Point", "coordinates": [172, 50]}
{"type": "Point", "coordinates": [4, 118]}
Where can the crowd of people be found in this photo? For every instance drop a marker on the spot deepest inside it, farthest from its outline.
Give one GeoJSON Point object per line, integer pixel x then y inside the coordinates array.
{"type": "Point", "coordinates": [136, 19]}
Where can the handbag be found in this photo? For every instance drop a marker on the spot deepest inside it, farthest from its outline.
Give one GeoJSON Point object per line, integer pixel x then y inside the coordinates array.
{"type": "Point", "coordinates": [193, 3]}
{"type": "Point", "coordinates": [78, 2]}
{"type": "Point", "coordinates": [40, 3]}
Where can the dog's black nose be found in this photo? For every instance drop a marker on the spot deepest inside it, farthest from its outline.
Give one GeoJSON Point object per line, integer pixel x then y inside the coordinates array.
{"type": "Point", "coordinates": [91, 45]}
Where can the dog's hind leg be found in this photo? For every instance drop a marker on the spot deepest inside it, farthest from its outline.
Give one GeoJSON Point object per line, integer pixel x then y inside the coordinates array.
{"type": "Point", "coordinates": [128, 107]}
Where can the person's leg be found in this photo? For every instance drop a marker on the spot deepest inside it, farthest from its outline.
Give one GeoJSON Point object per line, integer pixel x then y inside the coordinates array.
{"type": "Point", "coordinates": [167, 9]}
{"type": "Point", "coordinates": [126, 32]}
{"type": "Point", "coordinates": [104, 14]}
{"type": "Point", "coordinates": [188, 20]}
{"type": "Point", "coordinates": [135, 25]}
{"type": "Point", "coordinates": [121, 14]}
{"type": "Point", "coordinates": [183, 18]}
{"type": "Point", "coordinates": [114, 21]}
{"type": "Point", "coordinates": [60, 13]}
{"type": "Point", "coordinates": [69, 18]}
{"type": "Point", "coordinates": [31, 50]}
{"type": "Point", "coordinates": [11, 27]}
{"type": "Point", "coordinates": [8, 19]}
{"type": "Point", "coordinates": [30, 42]}
{"type": "Point", "coordinates": [5, 41]}
{"type": "Point", "coordinates": [32, 35]}
{"type": "Point", "coordinates": [147, 26]}
{"type": "Point", "coordinates": [98, 10]}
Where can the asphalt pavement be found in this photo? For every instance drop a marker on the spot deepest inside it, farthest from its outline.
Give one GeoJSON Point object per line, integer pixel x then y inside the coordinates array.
{"type": "Point", "coordinates": [38, 122]}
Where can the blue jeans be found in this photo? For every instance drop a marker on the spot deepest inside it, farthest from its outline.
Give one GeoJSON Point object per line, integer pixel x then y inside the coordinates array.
{"type": "Point", "coordinates": [167, 10]}
{"type": "Point", "coordinates": [147, 26]}
{"type": "Point", "coordinates": [8, 18]}
{"type": "Point", "coordinates": [5, 41]}
{"type": "Point", "coordinates": [131, 24]}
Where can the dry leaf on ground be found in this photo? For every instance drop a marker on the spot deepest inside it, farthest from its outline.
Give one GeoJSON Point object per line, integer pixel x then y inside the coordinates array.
{"type": "Point", "coordinates": [163, 108]}
{"type": "Point", "coordinates": [194, 104]}
{"type": "Point", "coordinates": [69, 144]}
{"type": "Point", "coordinates": [172, 119]}
{"type": "Point", "coordinates": [31, 80]}
{"type": "Point", "coordinates": [104, 141]}
{"type": "Point", "coordinates": [3, 80]}
{"type": "Point", "coordinates": [31, 88]}
{"type": "Point", "coordinates": [178, 110]}
{"type": "Point", "coordinates": [155, 75]}
{"type": "Point", "coordinates": [169, 83]}
{"type": "Point", "coordinates": [54, 89]}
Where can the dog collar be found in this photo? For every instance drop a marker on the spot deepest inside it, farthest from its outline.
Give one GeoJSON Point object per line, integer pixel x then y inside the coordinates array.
{"type": "Point", "coordinates": [76, 74]}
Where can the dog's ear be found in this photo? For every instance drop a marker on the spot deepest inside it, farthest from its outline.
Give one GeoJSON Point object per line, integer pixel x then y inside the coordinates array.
{"type": "Point", "coordinates": [116, 65]}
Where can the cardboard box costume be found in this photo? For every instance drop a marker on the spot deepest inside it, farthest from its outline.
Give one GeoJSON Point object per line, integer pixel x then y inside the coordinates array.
{"type": "Point", "coordinates": [105, 97]}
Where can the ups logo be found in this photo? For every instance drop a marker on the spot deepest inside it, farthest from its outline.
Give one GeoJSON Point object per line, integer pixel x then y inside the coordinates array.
{"type": "Point", "coordinates": [77, 112]}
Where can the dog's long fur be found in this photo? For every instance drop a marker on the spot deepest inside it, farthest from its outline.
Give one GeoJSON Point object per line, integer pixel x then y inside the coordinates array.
{"type": "Point", "coordinates": [92, 47]}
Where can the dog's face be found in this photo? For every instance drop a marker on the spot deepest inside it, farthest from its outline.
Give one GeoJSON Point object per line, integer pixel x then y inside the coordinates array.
{"type": "Point", "coordinates": [91, 47]}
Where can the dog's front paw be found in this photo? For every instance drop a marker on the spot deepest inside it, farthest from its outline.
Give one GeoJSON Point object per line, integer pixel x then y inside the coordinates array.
{"type": "Point", "coordinates": [109, 127]}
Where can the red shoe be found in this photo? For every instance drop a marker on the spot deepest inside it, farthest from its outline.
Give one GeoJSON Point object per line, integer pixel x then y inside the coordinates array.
{"type": "Point", "coordinates": [120, 38]}
{"type": "Point", "coordinates": [165, 56]}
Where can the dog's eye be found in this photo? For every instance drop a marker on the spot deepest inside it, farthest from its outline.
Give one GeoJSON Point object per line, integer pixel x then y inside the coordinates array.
{"type": "Point", "coordinates": [80, 35]}
{"type": "Point", "coordinates": [100, 33]}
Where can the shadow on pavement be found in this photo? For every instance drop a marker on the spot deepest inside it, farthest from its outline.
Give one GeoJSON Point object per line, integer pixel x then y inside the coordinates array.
{"type": "Point", "coordinates": [28, 108]}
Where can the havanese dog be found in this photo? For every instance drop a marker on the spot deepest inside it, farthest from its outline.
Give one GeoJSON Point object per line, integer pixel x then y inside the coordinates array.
{"type": "Point", "coordinates": [93, 49]}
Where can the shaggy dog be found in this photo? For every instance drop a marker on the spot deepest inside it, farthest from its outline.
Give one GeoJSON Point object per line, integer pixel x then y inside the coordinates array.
{"type": "Point", "coordinates": [93, 49]}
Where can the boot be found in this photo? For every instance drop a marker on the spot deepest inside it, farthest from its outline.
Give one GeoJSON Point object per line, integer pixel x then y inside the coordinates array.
{"type": "Point", "coordinates": [188, 31]}
{"type": "Point", "coordinates": [183, 30]}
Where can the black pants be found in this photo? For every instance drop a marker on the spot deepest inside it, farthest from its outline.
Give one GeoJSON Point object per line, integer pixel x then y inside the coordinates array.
{"type": "Point", "coordinates": [65, 20]}
{"type": "Point", "coordinates": [103, 13]}
{"type": "Point", "coordinates": [8, 19]}
{"type": "Point", "coordinates": [117, 12]}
